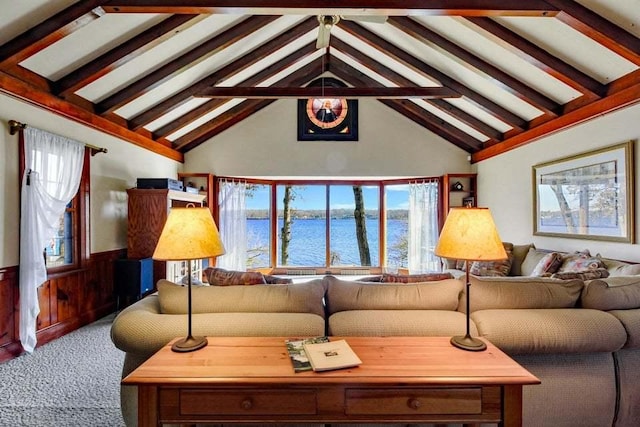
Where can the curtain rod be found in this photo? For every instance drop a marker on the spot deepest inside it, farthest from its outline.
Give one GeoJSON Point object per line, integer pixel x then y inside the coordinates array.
{"type": "Point", "coordinates": [15, 126]}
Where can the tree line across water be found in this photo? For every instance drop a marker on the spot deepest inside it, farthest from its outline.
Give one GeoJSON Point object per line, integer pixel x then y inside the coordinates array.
{"type": "Point", "coordinates": [396, 214]}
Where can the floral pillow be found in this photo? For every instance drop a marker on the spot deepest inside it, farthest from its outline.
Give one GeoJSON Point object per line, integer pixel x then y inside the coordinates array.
{"type": "Point", "coordinates": [580, 261]}
{"type": "Point", "coordinates": [548, 264]}
{"type": "Point", "coordinates": [492, 268]}
{"type": "Point", "coordinates": [222, 277]}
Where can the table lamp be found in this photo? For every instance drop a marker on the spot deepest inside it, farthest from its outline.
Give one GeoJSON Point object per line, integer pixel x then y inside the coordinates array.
{"type": "Point", "coordinates": [189, 233]}
{"type": "Point", "coordinates": [470, 234]}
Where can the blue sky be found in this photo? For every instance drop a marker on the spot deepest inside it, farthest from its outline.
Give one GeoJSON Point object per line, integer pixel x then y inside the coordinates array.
{"type": "Point", "coordinates": [313, 197]}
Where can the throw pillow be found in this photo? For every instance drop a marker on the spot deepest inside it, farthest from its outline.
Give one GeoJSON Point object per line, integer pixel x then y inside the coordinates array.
{"type": "Point", "coordinates": [222, 277]}
{"type": "Point", "coordinates": [414, 278]}
{"type": "Point", "coordinates": [596, 273]}
{"type": "Point", "coordinates": [492, 268]}
{"type": "Point", "coordinates": [549, 264]}
{"type": "Point", "coordinates": [580, 261]}
{"type": "Point", "coordinates": [275, 280]}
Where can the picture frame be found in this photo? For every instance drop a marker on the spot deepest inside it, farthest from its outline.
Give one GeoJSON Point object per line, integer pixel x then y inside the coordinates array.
{"type": "Point", "coordinates": [587, 196]}
{"type": "Point", "coordinates": [327, 119]}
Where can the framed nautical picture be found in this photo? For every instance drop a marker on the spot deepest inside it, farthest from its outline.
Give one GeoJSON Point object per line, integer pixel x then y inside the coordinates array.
{"type": "Point", "coordinates": [327, 119]}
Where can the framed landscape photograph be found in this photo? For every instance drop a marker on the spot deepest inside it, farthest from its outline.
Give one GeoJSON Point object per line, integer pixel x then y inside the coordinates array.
{"type": "Point", "coordinates": [586, 196]}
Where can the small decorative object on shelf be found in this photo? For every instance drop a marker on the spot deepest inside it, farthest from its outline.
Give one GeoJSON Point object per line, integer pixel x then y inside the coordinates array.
{"type": "Point", "coordinates": [457, 186]}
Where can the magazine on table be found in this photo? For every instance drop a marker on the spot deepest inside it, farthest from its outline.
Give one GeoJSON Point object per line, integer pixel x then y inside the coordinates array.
{"type": "Point", "coordinates": [320, 354]}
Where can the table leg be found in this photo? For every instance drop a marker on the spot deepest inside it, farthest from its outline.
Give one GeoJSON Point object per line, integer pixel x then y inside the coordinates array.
{"type": "Point", "coordinates": [511, 406]}
{"type": "Point", "coordinates": [147, 406]}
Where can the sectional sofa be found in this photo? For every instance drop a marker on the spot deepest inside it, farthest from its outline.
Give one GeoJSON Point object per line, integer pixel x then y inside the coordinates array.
{"type": "Point", "coordinates": [581, 338]}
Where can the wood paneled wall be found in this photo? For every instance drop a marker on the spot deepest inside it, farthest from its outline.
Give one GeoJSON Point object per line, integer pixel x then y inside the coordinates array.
{"type": "Point", "coordinates": [67, 301]}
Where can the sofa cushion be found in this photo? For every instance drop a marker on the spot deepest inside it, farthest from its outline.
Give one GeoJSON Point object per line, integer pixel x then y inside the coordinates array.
{"type": "Point", "coordinates": [413, 278]}
{"type": "Point", "coordinates": [295, 298]}
{"type": "Point", "coordinates": [521, 292]}
{"type": "Point", "coordinates": [630, 319]}
{"type": "Point", "coordinates": [385, 323]}
{"type": "Point", "coordinates": [345, 295]}
{"type": "Point", "coordinates": [532, 331]}
{"type": "Point", "coordinates": [548, 264]}
{"type": "Point", "coordinates": [519, 254]}
{"type": "Point", "coordinates": [614, 293]}
{"type": "Point", "coordinates": [222, 277]}
{"type": "Point", "coordinates": [621, 268]}
{"type": "Point", "coordinates": [275, 280]}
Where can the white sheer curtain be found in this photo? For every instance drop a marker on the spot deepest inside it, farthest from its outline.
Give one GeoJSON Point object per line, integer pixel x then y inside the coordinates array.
{"type": "Point", "coordinates": [423, 226]}
{"type": "Point", "coordinates": [233, 225]}
{"type": "Point", "coordinates": [53, 169]}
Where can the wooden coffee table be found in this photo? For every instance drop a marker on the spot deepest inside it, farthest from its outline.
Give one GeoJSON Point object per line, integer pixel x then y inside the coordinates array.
{"type": "Point", "coordinates": [401, 380]}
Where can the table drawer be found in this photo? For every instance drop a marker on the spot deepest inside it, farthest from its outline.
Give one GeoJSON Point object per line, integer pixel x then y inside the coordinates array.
{"type": "Point", "coordinates": [412, 401]}
{"type": "Point", "coordinates": [247, 402]}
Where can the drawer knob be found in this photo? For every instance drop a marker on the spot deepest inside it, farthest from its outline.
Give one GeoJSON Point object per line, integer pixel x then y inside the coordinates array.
{"type": "Point", "coordinates": [247, 403]}
{"type": "Point", "coordinates": [414, 403]}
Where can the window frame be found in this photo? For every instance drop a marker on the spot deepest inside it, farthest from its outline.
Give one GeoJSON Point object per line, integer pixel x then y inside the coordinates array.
{"type": "Point", "coordinates": [382, 223]}
{"type": "Point", "coordinates": [80, 214]}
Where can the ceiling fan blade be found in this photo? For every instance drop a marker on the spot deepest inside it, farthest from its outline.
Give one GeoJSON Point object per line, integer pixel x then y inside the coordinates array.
{"type": "Point", "coordinates": [323, 37]}
{"type": "Point", "coordinates": [374, 19]}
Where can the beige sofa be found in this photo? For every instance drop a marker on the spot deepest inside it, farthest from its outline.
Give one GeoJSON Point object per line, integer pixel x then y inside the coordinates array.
{"type": "Point", "coordinates": [582, 339]}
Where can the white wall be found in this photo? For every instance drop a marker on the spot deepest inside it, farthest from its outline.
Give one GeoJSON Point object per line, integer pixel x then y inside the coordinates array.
{"type": "Point", "coordinates": [266, 144]}
{"type": "Point", "coordinates": [111, 175]}
{"type": "Point", "coordinates": [505, 182]}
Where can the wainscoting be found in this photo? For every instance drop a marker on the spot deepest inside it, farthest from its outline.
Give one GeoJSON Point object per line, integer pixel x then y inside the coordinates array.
{"type": "Point", "coordinates": [67, 301]}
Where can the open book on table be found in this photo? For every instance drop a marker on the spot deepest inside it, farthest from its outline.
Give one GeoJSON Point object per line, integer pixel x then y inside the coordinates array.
{"type": "Point", "coordinates": [320, 354]}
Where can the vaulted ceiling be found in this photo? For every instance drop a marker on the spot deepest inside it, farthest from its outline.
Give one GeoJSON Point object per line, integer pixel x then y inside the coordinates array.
{"type": "Point", "coordinates": [487, 76]}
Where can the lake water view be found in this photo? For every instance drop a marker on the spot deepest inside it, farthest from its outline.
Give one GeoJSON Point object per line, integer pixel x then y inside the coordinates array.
{"type": "Point", "coordinates": [307, 246]}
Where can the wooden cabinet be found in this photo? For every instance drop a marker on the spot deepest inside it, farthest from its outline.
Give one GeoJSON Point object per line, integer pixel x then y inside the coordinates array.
{"type": "Point", "coordinates": [148, 211]}
{"type": "Point", "coordinates": [458, 189]}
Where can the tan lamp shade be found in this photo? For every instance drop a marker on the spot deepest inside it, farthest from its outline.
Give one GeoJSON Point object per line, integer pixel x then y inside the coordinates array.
{"type": "Point", "coordinates": [189, 233]}
{"type": "Point", "coordinates": [470, 234]}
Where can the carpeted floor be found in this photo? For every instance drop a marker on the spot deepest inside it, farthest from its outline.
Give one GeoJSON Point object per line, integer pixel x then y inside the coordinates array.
{"type": "Point", "coordinates": [72, 381]}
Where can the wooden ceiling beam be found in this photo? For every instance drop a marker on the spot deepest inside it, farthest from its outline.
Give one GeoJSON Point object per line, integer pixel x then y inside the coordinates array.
{"type": "Point", "coordinates": [477, 65]}
{"type": "Point", "coordinates": [410, 109]}
{"type": "Point", "coordinates": [256, 79]}
{"type": "Point", "coordinates": [224, 73]}
{"type": "Point", "coordinates": [599, 29]}
{"type": "Point", "coordinates": [623, 98]}
{"type": "Point", "coordinates": [398, 79]}
{"type": "Point", "coordinates": [178, 65]}
{"type": "Point", "coordinates": [485, 104]}
{"type": "Point", "coordinates": [49, 31]}
{"type": "Point", "coordinates": [20, 90]}
{"type": "Point", "coordinates": [123, 53]}
{"type": "Point", "coordinates": [244, 109]}
{"type": "Point", "coordinates": [382, 92]}
{"type": "Point", "coordinates": [348, 7]}
{"type": "Point", "coordinates": [540, 58]}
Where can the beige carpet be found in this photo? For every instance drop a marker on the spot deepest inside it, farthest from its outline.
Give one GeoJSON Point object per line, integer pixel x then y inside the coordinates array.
{"type": "Point", "coordinates": [72, 381]}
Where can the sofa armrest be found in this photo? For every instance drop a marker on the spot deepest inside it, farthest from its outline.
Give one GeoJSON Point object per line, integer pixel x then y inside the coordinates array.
{"type": "Point", "coordinates": [546, 331]}
{"type": "Point", "coordinates": [142, 330]}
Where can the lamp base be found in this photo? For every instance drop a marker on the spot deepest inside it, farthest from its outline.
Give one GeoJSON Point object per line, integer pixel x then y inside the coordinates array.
{"type": "Point", "coordinates": [468, 343]}
{"type": "Point", "coordinates": [189, 344]}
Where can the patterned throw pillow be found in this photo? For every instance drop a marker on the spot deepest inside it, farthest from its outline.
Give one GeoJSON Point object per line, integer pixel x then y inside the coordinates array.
{"type": "Point", "coordinates": [596, 273]}
{"type": "Point", "coordinates": [222, 277]}
{"type": "Point", "coordinates": [275, 280]}
{"type": "Point", "coordinates": [548, 265]}
{"type": "Point", "coordinates": [414, 278]}
{"type": "Point", "coordinates": [580, 261]}
{"type": "Point", "coordinates": [492, 268]}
